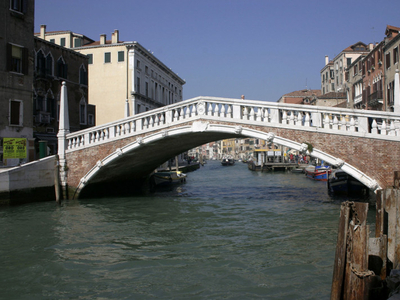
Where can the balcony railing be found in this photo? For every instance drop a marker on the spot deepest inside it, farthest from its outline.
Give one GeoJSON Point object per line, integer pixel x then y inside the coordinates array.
{"type": "Point", "coordinates": [374, 98]}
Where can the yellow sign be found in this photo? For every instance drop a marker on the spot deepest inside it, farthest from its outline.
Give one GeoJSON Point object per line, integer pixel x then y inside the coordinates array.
{"type": "Point", "coordinates": [14, 148]}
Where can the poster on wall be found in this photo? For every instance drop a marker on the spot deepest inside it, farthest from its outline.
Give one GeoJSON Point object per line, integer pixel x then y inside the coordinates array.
{"type": "Point", "coordinates": [14, 148]}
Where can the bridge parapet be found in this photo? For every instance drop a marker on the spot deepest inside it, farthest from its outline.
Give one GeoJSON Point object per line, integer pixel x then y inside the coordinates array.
{"type": "Point", "coordinates": [371, 124]}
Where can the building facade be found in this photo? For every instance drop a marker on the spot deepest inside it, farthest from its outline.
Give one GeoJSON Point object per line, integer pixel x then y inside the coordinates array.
{"type": "Point", "coordinates": [124, 77]}
{"type": "Point", "coordinates": [333, 73]}
{"type": "Point", "coordinates": [391, 64]}
{"type": "Point", "coordinates": [16, 76]}
{"type": "Point", "coordinates": [53, 65]}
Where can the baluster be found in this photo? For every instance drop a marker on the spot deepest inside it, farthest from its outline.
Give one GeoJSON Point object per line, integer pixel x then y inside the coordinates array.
{"type": "Point", "coordinates": [326, 121]}
{"type": "Point", "coordinates": [245, 113]}
{"type": "Point", "coordinates": [222, 111]}
{"type": "Point", "coordinates": [181, 113]}
{"type": "Point", "coordinates": [209, 110]}
{"type": "Point", "coordinates": [151, 121]}
{"type": "Point", "coordinates": [217, 110]}
{"type": "Point", "coordinates": [176, 115]}
{"type": "Point", "coordinates": [335, 125]}
{"type": "Point", "coordinates": [291, 118]}
{"type": "Point", "coordinates": [307, 120]}
{"type": "Point", "coordinates": [259, 114]}
{"type": "Point", "coordinates": [383, 128]}
{"type": "Point", "coordinates": [299, 119]}
{"type": "Point", "coordinates": [93, 137]}
{"type": "Point", "coordinates": [162, 119]}
{"type": "Point", "coordinates": [266, 115]}
{"type": "Point", "coordinates": [252, 115]}
{"type": "Point", "coordinates": [106, 134]}
{"type": "Point", "coordinates": [187, 114]}
{"type": "Point", "coordinates": [352, 124]}
{"type": "Point", "coordinates": [374, 127]}
{"type": "Point", "coordinates": [145, 123]}
{"type": "Point", "coordinates": [392, 129]}
{"type": "Point", "coordinates": [229, 112]}
{"type": "Point", "coordinates": [284, 117]}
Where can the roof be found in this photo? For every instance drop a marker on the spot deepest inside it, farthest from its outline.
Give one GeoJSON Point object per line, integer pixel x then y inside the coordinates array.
{"type": "Point", "coordinates": [333, 95]}
{"type": "Point", "coordinates": [303, 93]}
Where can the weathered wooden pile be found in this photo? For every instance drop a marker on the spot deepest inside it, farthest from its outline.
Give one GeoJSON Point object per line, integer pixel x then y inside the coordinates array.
{"type": "Point", "coordinates": [365, 267]}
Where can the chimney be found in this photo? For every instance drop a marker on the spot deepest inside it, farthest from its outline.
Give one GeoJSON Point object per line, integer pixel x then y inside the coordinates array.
{"type": "Point", "coordinates": [42, 31]}
{"type": "Point", "coordinates": [371, 46]}
{"type": "Point", "coordinates": [102, 39]}
{"type": "Point", "coordinates": [326, 60]}
{"type": "Point", "coordinates": [115, 37]}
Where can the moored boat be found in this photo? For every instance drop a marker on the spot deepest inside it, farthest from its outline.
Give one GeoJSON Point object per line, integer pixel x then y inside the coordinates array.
{"type": "Point", "coordinates": [227, 161]}
{"type": "Point", "coordinates": [168, 178]}
{"type": "Point", "coordinates": [339, 182]}
{"type": "Point", "coordinates": [320, 173]}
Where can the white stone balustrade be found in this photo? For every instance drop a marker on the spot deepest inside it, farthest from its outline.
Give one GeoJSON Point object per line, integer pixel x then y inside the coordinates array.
{"type": "Point", "coordinates": [373, 124]}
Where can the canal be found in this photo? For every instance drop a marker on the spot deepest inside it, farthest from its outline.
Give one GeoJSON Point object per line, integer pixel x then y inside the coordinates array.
{"type": "Point", "coordinates": [227, 233]}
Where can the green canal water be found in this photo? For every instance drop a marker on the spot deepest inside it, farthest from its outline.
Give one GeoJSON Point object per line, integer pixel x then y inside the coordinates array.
{"type": "Point", "coordinates": [228, 233]}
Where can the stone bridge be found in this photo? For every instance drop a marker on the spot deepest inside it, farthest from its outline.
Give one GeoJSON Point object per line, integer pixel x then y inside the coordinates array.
{"type": "Point", "coordinates": [365, 144]}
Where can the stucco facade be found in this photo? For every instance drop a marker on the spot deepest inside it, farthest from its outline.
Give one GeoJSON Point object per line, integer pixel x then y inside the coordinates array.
{"type": "Point", "coordinates": [16, 74]}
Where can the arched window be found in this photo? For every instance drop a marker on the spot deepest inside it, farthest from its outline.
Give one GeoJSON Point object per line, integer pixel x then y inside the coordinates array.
{"type": "Point", "coordinates": [40, 64]}
{"type": "Point", "coordinates": [83, 76]}
{"type": "Point", "coordinates": [49, 65]}
{"type": "Point", "coordinates": [62, 68]}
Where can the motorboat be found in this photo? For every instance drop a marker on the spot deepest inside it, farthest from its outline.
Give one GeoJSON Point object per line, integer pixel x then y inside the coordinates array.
{"type": "Point", "coordinates": [320, 173]}
{"type": "Point", "coordinates": [227, 161]}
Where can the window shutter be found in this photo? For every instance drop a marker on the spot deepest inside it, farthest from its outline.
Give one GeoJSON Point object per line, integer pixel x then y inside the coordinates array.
{"type": "Point", "coordinates": [25, 61]}
{"type": "Point", "coordinates": [9, 57]}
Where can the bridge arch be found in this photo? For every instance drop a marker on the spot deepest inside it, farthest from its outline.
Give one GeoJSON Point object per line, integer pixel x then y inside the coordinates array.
{"type": "Point", "coordinates": [138, 156]}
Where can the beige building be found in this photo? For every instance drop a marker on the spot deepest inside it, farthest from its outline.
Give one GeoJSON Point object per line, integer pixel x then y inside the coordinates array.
{"type": "Point", "coordinates": [124, 77]}
{"type": "Point", "coordinates": [391, 65]}
{"type": "Point", "coordinates": [333, 73]}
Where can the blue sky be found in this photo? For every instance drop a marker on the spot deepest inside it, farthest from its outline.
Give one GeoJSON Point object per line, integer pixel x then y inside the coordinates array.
{"type": "Point", "coordinates": [262, 49]}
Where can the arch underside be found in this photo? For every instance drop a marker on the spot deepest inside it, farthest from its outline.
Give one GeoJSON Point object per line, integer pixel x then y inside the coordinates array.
{"type": "Point", "coordinates": [139, 159]}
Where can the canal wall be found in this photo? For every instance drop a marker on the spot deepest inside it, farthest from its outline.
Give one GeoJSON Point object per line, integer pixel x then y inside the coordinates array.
{"type": "Point", "coordinates": [30, 182]}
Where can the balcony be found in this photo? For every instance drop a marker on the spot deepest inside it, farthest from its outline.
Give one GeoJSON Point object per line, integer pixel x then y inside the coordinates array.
{"type": "Point", "coordinates": [375, 98]}
{"type": "Point", "coordinates": [42, 117]}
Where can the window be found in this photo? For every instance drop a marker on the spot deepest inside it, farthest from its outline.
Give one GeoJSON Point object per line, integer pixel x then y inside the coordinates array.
{"type": "Point", "coordinates": [18, 5]}
{"type": "Point", "coordinates": [349, 61]}
{"type": "Point", "coordinates": [17, 59]}
{"type": "Point", "coordinates": [138, 85]}
{"type": "Point", "coordinates": [82, 112]}
{"type": "Point", "coordinates": [83, 76]}
{"type": "Point", "coordinates": [121, 55]}
{"type": "Point", "coordinates": [62, 69]}
{"type": "Point", "coordinates": [107, 57]}
{"type": "Point", "coordinates": [62, 42]}
{"type": "Point", "coordinates": [138, 64]}
{"type": "Point", "coordinates": [77, 43]}
{"type": "Point", "coordinates": [49, 65]}
{"type": "Point", "coordinates": [90, 119]}
{"type": "Point", "coordinates": [147, 89]}
{"type": "Point", "coordinates": [396, 55]}
{"type": "Point", "coordinates": [52, 41]}
{"type": "Point", "coordinates": [16, 112]}
{"type": "Point", "coordinates": [387, 60]}
{"type": "Point", "coordinates": [90, 59]}
{"type": "Point", "coordinates": [40, 64]}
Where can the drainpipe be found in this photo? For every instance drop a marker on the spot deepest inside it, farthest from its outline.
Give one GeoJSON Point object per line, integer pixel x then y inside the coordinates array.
{"type": "Point", "coordinates": [63, 130]}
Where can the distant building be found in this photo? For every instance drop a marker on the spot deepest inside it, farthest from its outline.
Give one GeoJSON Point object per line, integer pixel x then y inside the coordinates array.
{"type": "Point", "coordinates": [53, 65]}
{"type": "Point", "coordinates": [354, 84]}
{"type": "Point", "coordinates": [124, 77]}
{"type": "Point", "coordinates": [300, 97]}
{"type": "Point", "coordinates": [333, 73]}
{"type": "Point", "coordinates": [391, 64]}
{"type": "Point", "coordinates": [16, 75]}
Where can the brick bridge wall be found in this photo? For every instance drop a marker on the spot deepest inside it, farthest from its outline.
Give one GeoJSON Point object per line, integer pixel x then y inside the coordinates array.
{"type": "Point", "coordinates": [376, 158]}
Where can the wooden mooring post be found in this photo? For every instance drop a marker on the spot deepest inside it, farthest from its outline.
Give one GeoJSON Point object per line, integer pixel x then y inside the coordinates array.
{"type": "Point", "coordinates": [363, 263]}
